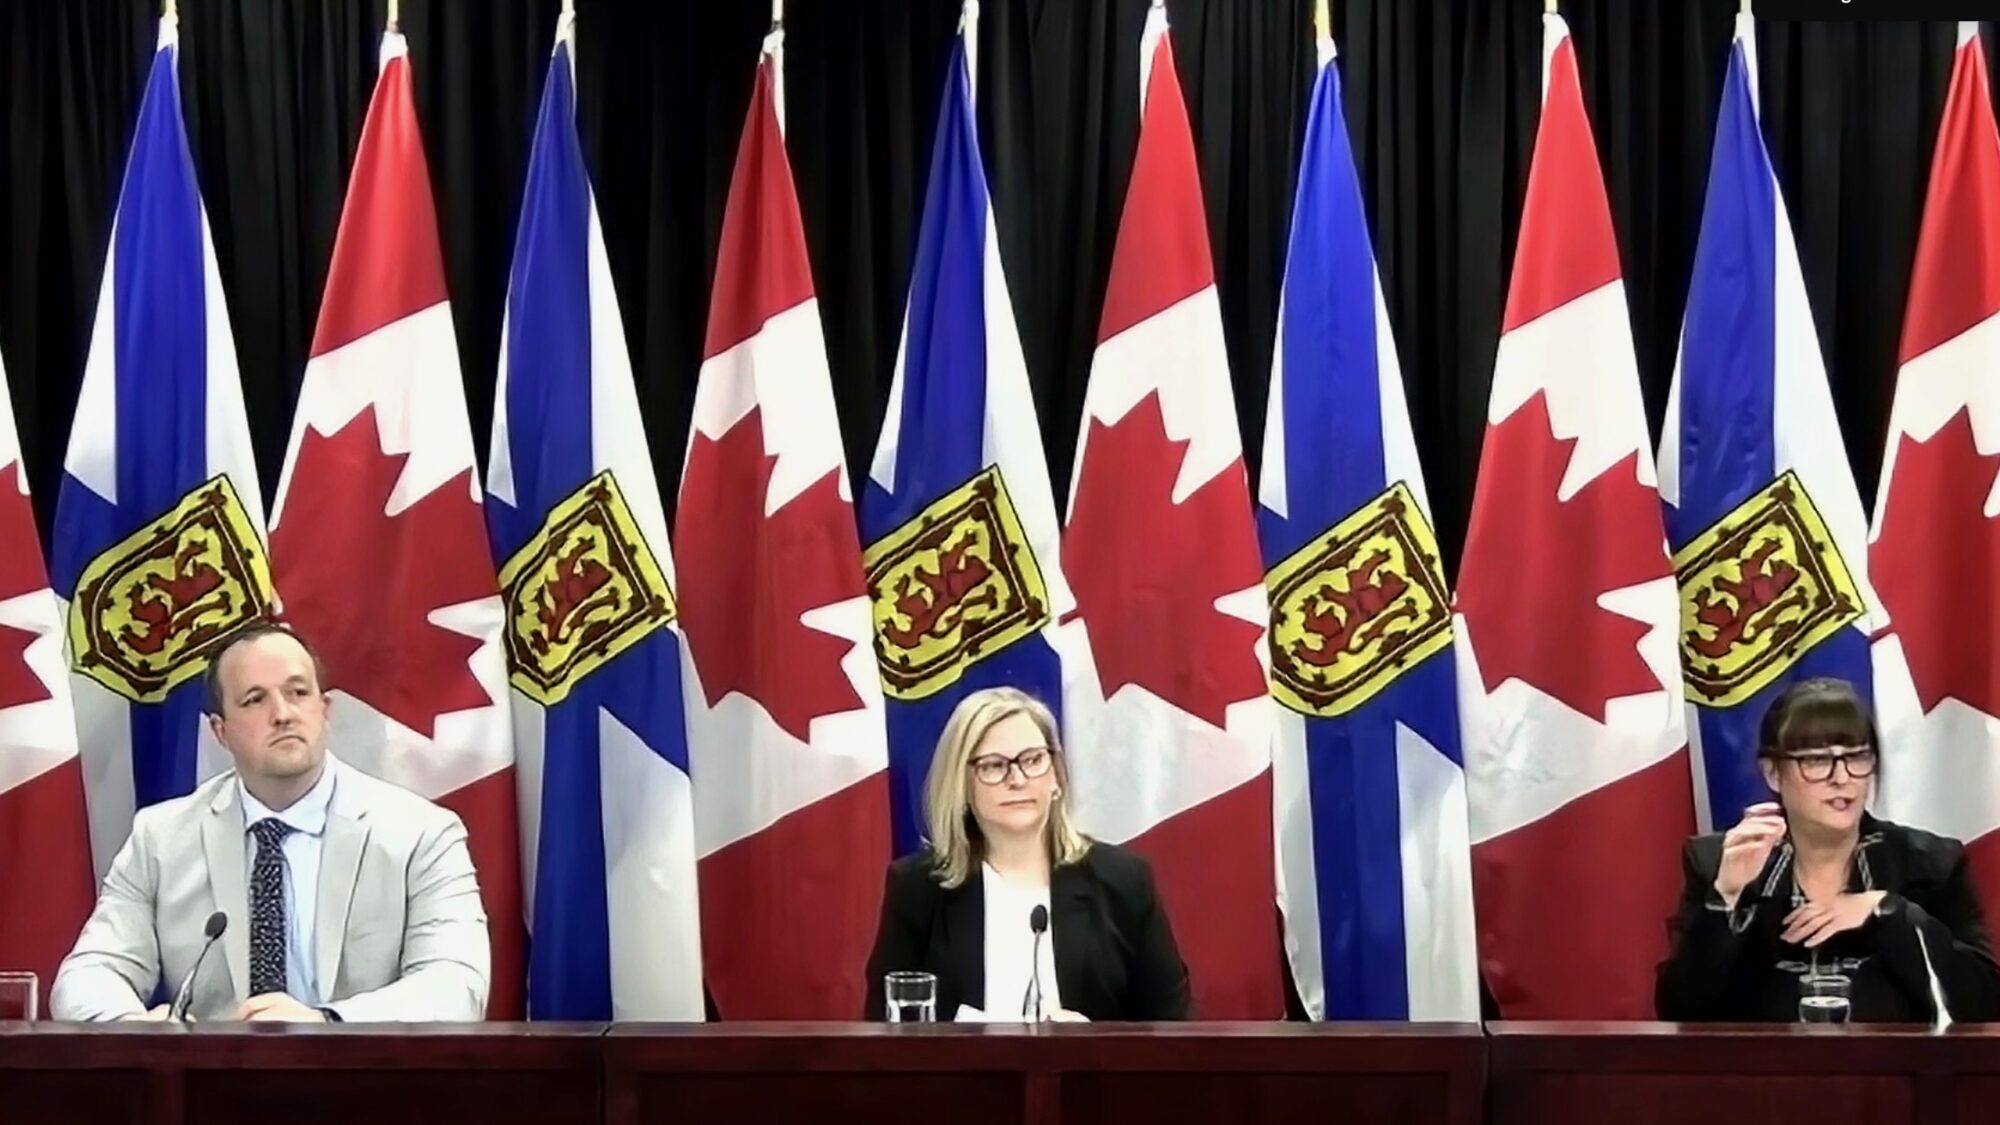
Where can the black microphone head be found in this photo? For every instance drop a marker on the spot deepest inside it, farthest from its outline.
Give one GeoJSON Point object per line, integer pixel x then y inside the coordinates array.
{"type": "Point", "coordinates": [217, 922]}
{"type": "Point", "coordinates": [1038, 919]}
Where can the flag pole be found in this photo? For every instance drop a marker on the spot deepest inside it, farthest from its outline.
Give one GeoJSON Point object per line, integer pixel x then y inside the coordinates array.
{"type": "Point", "coordinates": [1322, 20]}
{"type": "Point", "coordinates": [395, 15]}
{"type": "Point", "coordinates": [774, 46]}
{"type": "Point", "coordinates": [569, 9]}
{"type": "Point", "coordinates": [1549, 7]}
{"type": "Point", "coordinates": [171, 9]}
{"type": "Point", "coordinates": [968, 27]}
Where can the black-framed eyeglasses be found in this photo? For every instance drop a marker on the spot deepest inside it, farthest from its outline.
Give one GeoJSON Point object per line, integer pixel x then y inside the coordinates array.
{"type": "Point", "coordinates": [1817, 765]}
{"type": "Point", "coordinates": [992, 769]}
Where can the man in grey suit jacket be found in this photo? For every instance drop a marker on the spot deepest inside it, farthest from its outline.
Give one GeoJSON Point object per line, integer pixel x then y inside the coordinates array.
{"type": "Point", "coordinates": [360, 901]}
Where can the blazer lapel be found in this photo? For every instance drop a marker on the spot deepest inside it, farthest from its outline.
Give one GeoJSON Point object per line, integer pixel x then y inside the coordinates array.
{"type": "Point", "coordinates": [1873, 866]}
{"type": "Point", "coordinates": [965, 941]}
{"type": "Point", "coordinates": [222, 845]}
{"type": "Point", "coordinates": [1071, 928]}
{"type": "Point", "coordinates": [339, 865]}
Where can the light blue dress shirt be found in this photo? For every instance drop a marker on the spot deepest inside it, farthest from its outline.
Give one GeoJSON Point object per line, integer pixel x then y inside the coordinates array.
{"type": "Point", "coordinates": [302, 847]}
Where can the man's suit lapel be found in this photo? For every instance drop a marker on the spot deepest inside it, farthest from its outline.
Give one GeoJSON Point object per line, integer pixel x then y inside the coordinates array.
{"type": "Point", "coordinates": [339, 865]}
{"type": "Point", "coordinates": [222, 844]}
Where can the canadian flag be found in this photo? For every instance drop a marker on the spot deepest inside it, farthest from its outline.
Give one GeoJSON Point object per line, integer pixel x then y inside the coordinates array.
{"type": "Point", "coordinates": [45, 875]}
{"type": "Point", "coordinates": [1168, 720]}
{"type": "Point", "coordinates": [785, 724]}
{"type": "Point", "coordinates": [1569, 668]}
{"type": "Point", "coordinates": [1934, 551]}
{"type": "Point", "coordinates": [378, 546]}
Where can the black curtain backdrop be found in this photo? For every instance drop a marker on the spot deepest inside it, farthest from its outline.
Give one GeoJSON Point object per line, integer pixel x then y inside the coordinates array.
{"type": "Point", "coordinates": [1442, 98]}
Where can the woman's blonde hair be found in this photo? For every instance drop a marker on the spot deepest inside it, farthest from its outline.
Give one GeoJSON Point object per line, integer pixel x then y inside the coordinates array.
{"type": "Point", "coordinates": [955, 839]}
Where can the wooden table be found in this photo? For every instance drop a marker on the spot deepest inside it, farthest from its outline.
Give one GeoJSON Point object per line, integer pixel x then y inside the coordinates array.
{"type": "Point", "coordinates": [557, 1074]}
{"type": "Point", "coordinates": [268, 1074]}
{"type": "Point", "coordinates": [1102, 1074]}
{"type": "Point", "coordinates": [1641, 1074]}
{"type": "Point", "coordinates": [740, 1074]}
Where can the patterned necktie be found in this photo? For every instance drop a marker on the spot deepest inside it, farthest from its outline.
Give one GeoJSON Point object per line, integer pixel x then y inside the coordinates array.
{"type": "Point", "coordinates": [267, 907]}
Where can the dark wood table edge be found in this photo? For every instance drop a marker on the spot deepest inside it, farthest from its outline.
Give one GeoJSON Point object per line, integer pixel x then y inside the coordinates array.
{"type": "Point", "coordinates": [1475, 1061]}
{"type": "Point", "coordinates": [1722, 1048]}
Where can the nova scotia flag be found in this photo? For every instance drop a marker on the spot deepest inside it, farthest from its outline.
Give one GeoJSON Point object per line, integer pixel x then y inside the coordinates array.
{"type": "Point", "coordinates": [593, 641]}
{"type": "Point", "coordinates": [158, 546]}
{"type": "Point", "coordinates": [958, 514]}
{"type": "Point", "coordinates": [1765, 522]}
{"type": "Point", "coordinates": [1374, 857]}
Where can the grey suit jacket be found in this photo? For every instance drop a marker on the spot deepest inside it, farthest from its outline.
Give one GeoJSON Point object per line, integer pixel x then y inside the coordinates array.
{"type": "Point", "coordinates": [399, 931]}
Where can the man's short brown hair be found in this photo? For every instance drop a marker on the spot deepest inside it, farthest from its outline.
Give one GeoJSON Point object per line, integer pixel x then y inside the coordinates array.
{"type": "Point", "coordinates": [211, 677]}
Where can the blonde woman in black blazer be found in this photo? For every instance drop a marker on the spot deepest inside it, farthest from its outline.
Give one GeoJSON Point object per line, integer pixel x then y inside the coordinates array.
{"type": "Point", "coordinates": [1001, 843]}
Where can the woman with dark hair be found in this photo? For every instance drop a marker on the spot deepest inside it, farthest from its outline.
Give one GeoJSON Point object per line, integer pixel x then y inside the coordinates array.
{"type": "Point", "coordinates": [1812, 887]}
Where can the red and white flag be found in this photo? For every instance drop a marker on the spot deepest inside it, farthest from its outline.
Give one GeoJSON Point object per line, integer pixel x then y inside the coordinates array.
{"type": "Point", "coordinates": [45, 874]}
{"type": "Point", "coordinates": [1935, 548]}
{"type": "Point", "coordinates": [378, 545]}
{"type": "Point", "coordinates": [1569, 667]}
{"type": "Point", "coordinates": [785, 722]}
{"type": "Point", "coordinates": [1168, 718]}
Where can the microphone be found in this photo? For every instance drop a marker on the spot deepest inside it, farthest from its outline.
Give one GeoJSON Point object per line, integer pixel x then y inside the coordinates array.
{"type": "Point", "coordinates": [1038, 923]}
{"type": "Point", "coordinates": [217, 922]}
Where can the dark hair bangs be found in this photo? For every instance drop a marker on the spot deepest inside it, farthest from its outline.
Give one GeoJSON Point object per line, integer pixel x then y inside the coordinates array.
{"type": "Point", "coordinates": [1816, 715]}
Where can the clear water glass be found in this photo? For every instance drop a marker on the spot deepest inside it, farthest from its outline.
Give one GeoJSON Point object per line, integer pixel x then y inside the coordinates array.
{"type": "Point", "coordinates": [1824, 999]}
{"type": "Point", "coordinates": [20, 994]}
{"type": "Point", "coordinates": [911, 997]}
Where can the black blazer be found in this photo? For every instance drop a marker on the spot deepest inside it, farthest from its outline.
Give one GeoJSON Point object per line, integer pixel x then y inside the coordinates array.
{"type": "Point", "coordinates": [1114, 951]}
{"type": "Point", "coordinates": [1731, 965]}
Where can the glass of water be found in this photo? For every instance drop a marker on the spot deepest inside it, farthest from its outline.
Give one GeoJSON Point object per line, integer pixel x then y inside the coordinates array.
{"type": "Point", "coordinates": [911, 997]}
{"type": "Point", "coordinates": [1824, 999]}
{"type": "Point", "coordinates": [19, 996]}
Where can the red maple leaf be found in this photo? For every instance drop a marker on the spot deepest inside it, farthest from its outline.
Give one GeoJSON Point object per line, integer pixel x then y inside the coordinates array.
{"type": "Point", "coordinates": [18, 682]}
{"type": "Point", "coordinates": [1534, 567]}
{"type": "Point", "coordinates": [21, 559]}
{"type": "Point", "coordinates": [361, 585]}
{"type": "Point", "coordinates": [1933, 565]}
{"type": "Point", "coordinates": [20, 573]}
{"type": "Point", "coordinates": [1147, 571]}
{"type": "Point", "coordinates": [747, 578]}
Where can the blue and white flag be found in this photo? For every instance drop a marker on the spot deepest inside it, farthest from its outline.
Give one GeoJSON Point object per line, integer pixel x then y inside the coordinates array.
{"type": "Point", "coordinates": [1374, 858]}
{"type": "Point", "coordinates": [958, 516]}
{"type": "Point", "coordinates": [1763, 517]}
{"type": "Point", "coordinates": [159, 533]}
{"type": "Point", "coordinates": [594, 647]}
